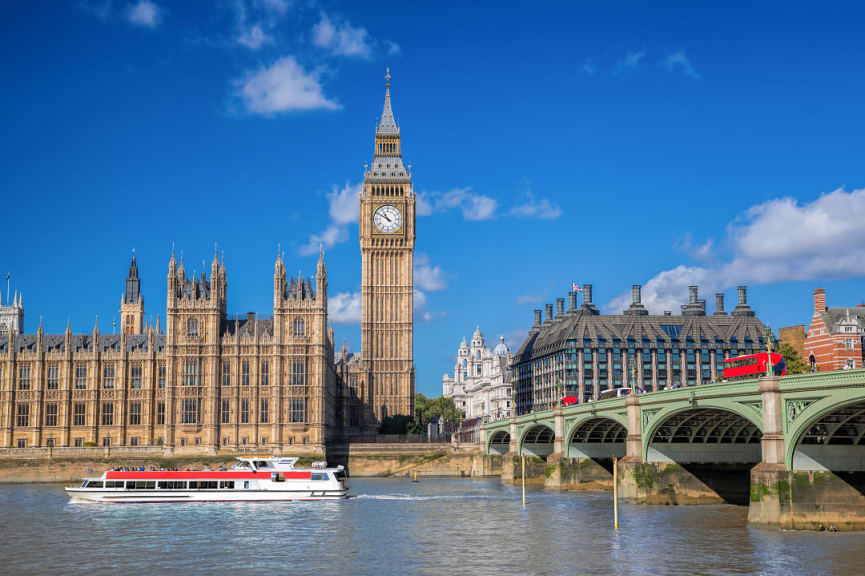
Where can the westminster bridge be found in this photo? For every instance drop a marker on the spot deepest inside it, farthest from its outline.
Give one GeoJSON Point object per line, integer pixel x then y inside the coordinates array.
{"type": "Point", "coordinates": [791, 448]}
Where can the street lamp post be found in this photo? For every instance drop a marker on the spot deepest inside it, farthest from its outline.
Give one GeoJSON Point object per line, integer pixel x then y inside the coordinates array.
{"type": "Point", "coordinates": [770, 342]}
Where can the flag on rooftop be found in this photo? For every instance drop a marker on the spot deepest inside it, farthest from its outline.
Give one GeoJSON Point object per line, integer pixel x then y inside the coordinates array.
{"type": "Point", "coordinates": [575, 288]}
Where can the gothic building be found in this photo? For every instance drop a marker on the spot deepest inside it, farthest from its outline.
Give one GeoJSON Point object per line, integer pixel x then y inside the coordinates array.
{"type": "Point", "coordinates": [208, 381]}
{"type": "Point", "coordinates": [380, 381]}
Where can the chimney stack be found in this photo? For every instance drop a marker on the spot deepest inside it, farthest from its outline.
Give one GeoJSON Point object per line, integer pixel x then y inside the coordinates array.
{"type": "Point", "coordinates": [560, 307]}
{"type": "Point", "coordinates": [719, 304]}
{"type": "Point", "coordinates": [819, 301]}
{"type": "Point", "coordinates": [537, 317]}
{"type": "Point", "coordinates": [588, 306]}
{"type": "Point", "coordinates": [572, 301]}
{"type": "Point", "coordinates": [636, 308]}
{"type": "Point", "coordinates": [549, 308]}
{"type": "Point", "coordinates": [695, 306]}
{"type": "Point", "coordinates": [742, 308]}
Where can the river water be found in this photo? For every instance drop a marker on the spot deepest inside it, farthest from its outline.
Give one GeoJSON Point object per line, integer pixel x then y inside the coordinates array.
{"type": "Point", "coordinates": [437, 526]}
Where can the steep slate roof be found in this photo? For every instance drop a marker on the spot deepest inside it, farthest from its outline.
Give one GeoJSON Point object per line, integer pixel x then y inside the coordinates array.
{"type": "Point", "coordinates": [832, 317]}
{"type": "Point", "coordinates": [246, 326]}
{"type": "Point", "coordinates": [580, 325]}
{"type": "Point", "coordinates": [82, 342]}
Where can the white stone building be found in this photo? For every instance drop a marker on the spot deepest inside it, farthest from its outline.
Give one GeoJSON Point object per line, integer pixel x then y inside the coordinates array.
{"type": "Point", "coordinates": [481, 384]}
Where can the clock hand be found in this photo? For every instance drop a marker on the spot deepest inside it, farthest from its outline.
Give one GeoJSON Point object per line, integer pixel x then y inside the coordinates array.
{"type": "Point", "coordinates": [383, 215]}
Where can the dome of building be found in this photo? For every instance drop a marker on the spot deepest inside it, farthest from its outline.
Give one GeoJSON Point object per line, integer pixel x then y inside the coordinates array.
{"type": "Point", "coordinates": [501, 348]}
{"type": "Point", "coordinates": [464, 344]}
{"type": "Point", "coordinates": [477, 335]}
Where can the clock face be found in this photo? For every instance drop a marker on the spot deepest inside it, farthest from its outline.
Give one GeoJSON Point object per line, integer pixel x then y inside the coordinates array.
{"type": "Point", "coordinates": [387, 219]}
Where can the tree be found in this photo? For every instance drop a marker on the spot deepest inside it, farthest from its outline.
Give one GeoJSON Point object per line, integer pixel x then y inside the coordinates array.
{"type": "Point", "coordinates": [399, 424]}
{"type": "Point", "coordinates": [795, 365]}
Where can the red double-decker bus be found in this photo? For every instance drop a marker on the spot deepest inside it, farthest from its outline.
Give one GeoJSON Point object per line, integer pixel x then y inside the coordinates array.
{"type": "Point", "coordinates": [753, 366]}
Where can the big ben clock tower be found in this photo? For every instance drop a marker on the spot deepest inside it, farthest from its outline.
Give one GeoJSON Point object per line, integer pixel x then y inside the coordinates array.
{"type": "Point", "coordinates": [387, 233]}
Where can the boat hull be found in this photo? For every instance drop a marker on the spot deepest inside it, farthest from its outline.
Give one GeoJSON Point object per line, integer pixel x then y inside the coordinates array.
{"type": "Point", "coordinates": [155, 496]}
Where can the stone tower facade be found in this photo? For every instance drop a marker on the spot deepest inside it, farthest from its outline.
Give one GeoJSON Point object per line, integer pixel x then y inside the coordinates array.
{"type": "Point", "coordinates": [387, 238]}
{"type": "Point", "coordinates": [12, 314]}
{"type": "Point", "coordinates": [131, 303]}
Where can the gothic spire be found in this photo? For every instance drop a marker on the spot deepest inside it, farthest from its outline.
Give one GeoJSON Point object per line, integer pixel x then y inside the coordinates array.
{"type": "Point", "coordinates": [133, 284]}
{"type": "Point", "coordinates": [387, 124]}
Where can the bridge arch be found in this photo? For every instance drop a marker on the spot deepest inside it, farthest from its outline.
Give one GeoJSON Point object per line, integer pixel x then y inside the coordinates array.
{"type": "Point", "coordinates": [680, 434]}
{"type": "Point", "coordinates": [499, 442]}
{"type": "Point", "coordinates": [826, 434]}
{"type": "Point", "coordinates": [537, 440]}
{"type": "Point", "coordinates": [596, 437]}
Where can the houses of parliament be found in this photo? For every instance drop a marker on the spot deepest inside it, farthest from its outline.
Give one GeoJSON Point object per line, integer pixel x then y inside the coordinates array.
{"type": "Point", "coordinates": [209, 381]}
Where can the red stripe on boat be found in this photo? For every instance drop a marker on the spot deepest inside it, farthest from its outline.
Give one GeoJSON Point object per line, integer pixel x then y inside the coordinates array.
{"type": "Point", "coordinates": [202, 475]}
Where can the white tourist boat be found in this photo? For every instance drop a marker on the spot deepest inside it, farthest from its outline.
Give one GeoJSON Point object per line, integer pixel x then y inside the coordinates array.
{"type": "Point", "coordinates": [251, 479]}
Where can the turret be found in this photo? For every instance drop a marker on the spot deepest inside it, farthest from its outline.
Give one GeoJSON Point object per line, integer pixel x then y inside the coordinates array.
{"type": "Point", "coordinates": [131, 303]}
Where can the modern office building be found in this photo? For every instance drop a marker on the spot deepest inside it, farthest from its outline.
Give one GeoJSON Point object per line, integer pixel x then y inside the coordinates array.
{"type": "Point", "coordinates": [581, 352]}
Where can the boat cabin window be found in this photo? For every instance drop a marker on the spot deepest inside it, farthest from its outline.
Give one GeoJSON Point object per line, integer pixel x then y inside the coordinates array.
{"type": "Point", "coordinates": [262, 464]}
{"type": "Point", "coordinates": [141, 485]}
{"type": "Point", "coordinates": [319, 477]}
{"type": "Point", "coordinates": [339, 474]}
{"type": "Point", "coordinates": [172, 485]}
{"type": "Point", "coordinates": [114, 484]}
{"type": "Point", "coordinates": [227, 484]}
{"type": "Point", "coordinates": [93, 484]}
{"type": "Point", "coordinates": [203, 484]}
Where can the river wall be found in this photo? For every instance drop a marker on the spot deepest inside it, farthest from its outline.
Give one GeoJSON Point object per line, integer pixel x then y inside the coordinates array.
{"type": "Point", "coordinates": [361, 460]}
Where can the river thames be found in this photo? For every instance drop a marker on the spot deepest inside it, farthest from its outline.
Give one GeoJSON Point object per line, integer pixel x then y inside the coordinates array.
{"type": "Point", "coordinates": [437, 526]}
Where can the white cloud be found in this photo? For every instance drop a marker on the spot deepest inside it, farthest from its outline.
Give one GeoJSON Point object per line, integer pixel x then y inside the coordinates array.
{"type": "Point", "coordinates": [393, 48]}
{"type": "Point", "coordinates": [281, 87]}
{"type": "Point", "coordinates": [330, 237]}
{"type": "Point", "coordinates": [629, 63]}
{"type": "Point", "coordinates": [277, 7]}
{"type": "Point", "coordinates": [343, 210]}
{"type": "Point", "coordinates": [515, 338]}
{"type": "Point", "coordinates": [778, 241]}
{"type": "Point", "coordinates": [254, 37]}
{"type": "Point", "coordinates": [589, 67]}
{"type": "Point", "coordinates": [473, 206]}
{"type": "Point", "coordinates": [344, 203]}
{"type": "Point", "coordinates": [542, 209]}
{"type": "Point", "coordinates": [101, 10]}
{"type": "Point", "coordinates": [345, 308]}
{"type": "Point", "coordinates": [427, 276]}
{"type": "Point", "coordinates": [530, 298]}
{"type": "Point", "coordinates": [679, 61]}
{"type": "Point", "coordinates": [341, 38]}
{"type": "Point", "coordinates": [419, 301]}
{"type": "Point", "coordinates": [144, 13]}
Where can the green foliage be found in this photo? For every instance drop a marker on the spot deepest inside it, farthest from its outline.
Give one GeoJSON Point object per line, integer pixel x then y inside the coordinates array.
{"type": "Point", "coordinates": [427, 409]}
{"type": "Point", "coordinates": [398, 424]}
{"type": "Point", "coordinates": [795, 365]}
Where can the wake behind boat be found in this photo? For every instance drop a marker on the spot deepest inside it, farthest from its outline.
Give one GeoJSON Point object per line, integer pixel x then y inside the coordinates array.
{"type": "Point", "coordinates": [252, 479]}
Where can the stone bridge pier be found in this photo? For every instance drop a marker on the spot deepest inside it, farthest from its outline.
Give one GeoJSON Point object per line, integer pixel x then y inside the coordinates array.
{"type": "Point", "coordinates": [812, 475]}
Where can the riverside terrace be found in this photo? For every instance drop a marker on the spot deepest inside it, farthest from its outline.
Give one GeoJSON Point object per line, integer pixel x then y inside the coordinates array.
{"type": "Point", "coordinates": [792, 448]}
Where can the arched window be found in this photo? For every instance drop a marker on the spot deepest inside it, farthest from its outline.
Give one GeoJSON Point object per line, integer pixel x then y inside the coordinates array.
{"type": "Point", "coordinates": [298, 327]}
{"type": "Point", "coordinates": [192, 327]}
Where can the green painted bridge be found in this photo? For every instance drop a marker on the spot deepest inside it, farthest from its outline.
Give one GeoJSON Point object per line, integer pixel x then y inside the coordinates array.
{"type": "Point", "coordinates": [773, 430]}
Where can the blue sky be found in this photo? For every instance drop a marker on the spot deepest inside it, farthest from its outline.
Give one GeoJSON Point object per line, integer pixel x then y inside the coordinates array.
{"type": "Point", "coordinates": [612, 144]}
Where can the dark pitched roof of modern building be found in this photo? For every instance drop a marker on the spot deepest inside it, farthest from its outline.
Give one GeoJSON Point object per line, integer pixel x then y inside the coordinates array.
{"type": "Point", "coordinates": [580, 325]}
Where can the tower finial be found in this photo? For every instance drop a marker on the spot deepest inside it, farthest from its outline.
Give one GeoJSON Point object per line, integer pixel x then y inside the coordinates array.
{"type": "Point", "coordinates": [387, 77]}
